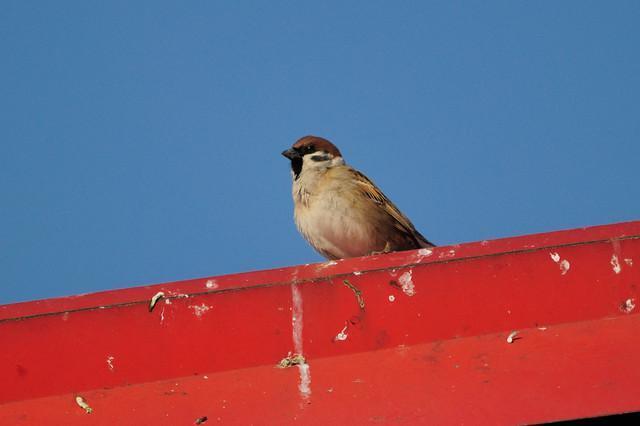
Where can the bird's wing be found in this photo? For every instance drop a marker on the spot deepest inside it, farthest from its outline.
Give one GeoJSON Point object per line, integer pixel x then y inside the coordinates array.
{"type": "Point", "coordinates": [400, 221]}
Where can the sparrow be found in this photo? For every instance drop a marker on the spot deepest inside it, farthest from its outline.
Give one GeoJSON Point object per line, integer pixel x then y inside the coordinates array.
{"type": "Point", "coordinates": [339, 210]}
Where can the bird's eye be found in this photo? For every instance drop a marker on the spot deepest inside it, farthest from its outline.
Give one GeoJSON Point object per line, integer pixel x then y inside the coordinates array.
{"type": "Point", "coordinates": [309, 149]}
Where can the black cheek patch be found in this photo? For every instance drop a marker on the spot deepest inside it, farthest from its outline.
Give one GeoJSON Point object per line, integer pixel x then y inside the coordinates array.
{"type": "Point", "coordinates": [296, 166]}
{"type": "Point", "coordinates": [320, 157]}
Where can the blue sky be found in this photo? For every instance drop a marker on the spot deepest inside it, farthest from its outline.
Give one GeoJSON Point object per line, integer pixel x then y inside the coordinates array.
{"type": "Point", "coordinates": [141, 141]}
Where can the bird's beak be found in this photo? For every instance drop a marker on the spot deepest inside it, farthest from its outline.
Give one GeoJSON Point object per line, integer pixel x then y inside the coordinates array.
{"type": "Point", "coordinates": [291, 153]}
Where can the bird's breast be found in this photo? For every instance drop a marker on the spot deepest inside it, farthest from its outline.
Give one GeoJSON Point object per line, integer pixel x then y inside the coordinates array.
{"type": "Point", "coordinates": [334, 226]}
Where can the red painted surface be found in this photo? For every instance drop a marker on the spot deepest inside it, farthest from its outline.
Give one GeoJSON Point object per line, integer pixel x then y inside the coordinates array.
{"type": "Point", "coordinates": [436, 356]}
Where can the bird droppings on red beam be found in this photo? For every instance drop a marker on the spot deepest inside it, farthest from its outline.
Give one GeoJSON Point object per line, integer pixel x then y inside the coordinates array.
{"type": "Point", "coordinates": [211, 345]}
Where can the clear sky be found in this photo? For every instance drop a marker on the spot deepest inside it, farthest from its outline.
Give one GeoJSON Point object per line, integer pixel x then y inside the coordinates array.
{"type": "Point", "coordinates": [140, 141]}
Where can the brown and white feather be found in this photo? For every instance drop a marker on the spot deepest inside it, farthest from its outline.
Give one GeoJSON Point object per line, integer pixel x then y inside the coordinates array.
{"type": "Point", "coordinates": [341, 212]}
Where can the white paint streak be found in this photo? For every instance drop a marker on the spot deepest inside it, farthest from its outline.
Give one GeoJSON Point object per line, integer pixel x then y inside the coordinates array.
{"type": "Point", "coordinates": [555, 257]}
{"type": "Point", "coordinates": [615, 264]}
{"type": "Point", "coordinates": [629, 262]}
{"type": "Point", "coordinates": [162, 315]}
{"type": "Point", "coordinates": [342, 336]}
{"type": "Point", "coordinates": [110, 362]}
{"type": "Point", "coordinates": [211, 284]}
{"type": "Point", "coordinates": [305, 380]}
{"type": "Point", "coordinates": [199, 310]}
{"type": "Point", "coordinates": [425, 252]}
{"type": "Point", "coordinates": [297, 318]}
{"type": "Point", "coordinates": [511, 336]}
{"type": "Point", "coordinates": [392, 298]}
{"type": "Point", "coordinates": [356, 273]}
{"type": "Point", "coordinates": [406, 282]}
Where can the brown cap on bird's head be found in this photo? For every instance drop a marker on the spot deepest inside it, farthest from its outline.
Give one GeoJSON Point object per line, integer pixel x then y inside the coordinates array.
{"type": "Point", "coordinates": [320, 144]}
{"type": "Point", "coordinates": [310, 144]}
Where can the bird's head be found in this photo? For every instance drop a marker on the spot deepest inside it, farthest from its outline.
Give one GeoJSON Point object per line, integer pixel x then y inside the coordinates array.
{"type": "Point", "coordinates": [312, 152]}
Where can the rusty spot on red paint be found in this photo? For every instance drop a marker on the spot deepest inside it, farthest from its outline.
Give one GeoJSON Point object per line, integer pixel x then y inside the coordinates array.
{"type": "Point", "coordinates": [394, 283]}
{"type": "Point", "coordinates": [201, 420]}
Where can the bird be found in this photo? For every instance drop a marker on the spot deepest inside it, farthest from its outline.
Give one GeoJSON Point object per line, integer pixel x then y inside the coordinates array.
{"type": "Point", "coordinates": [339, 210]}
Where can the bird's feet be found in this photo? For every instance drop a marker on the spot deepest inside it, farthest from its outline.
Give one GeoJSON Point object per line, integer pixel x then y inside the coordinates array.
{"type": "Point", "coordinates": [385, 250]}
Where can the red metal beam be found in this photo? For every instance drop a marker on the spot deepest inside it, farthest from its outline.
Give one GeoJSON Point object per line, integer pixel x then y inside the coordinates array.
{"type": "Point", "coordinates": [403, 338]}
